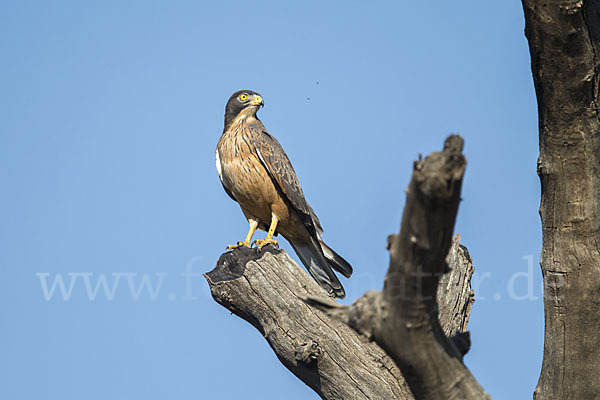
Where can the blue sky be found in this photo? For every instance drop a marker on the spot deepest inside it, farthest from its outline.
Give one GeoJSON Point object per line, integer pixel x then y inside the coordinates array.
{"type": "Point", "coordinates": [109, 117]}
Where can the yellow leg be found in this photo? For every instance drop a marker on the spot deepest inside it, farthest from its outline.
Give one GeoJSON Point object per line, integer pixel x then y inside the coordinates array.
{"type": "Point", "coordinates": [253, 226]}
{"type": "Point", "coordinates": [269, 238]}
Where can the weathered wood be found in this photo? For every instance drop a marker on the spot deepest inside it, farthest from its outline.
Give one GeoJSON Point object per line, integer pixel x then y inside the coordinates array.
{"type": "Point", "coordinates": [411, 332]}
{"type": "Point", "coordinates": [267, 290]}
{"type": "Point", "coordinates": [455, 296]}
{"type": "Point", "coordinates": [403, 320]}
{"type": "Point", "coordinates": [312, 335]}
{"type": "Point", "coordinates": [563, 40]}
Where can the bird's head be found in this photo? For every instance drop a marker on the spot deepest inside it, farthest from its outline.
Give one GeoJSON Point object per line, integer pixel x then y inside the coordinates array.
{"type": "Point", "coordinates": [242, 101]}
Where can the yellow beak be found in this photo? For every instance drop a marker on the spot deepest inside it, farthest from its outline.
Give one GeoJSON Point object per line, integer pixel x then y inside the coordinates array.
{"type": "Point", "coordinates": [258, 101]}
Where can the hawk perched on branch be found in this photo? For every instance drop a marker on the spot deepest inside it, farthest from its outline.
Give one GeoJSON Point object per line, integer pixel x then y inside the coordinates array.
{"type": "Point", "coordinates": [256, 172]}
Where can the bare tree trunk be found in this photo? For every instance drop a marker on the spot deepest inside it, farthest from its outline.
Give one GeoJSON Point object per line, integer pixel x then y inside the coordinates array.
{"type": "Point", "coordinates": [404, 321]}
{"type": "Point", "coordinates": [410, 330]}
{"type": "Point", "coordinates": [313, 336]}
{"type": "Point", "coordinates": [563, 40]}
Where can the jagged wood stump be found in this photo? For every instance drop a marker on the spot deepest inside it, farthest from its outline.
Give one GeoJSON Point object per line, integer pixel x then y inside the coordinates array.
{"type": "Point", "coordinates": [268, 289]}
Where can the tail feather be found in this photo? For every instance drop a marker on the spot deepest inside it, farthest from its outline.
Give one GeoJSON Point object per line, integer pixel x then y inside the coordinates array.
{"type": "Point", "coordinates": [312, 257]}
{"type": "Point", "coordinates": [336, 261]}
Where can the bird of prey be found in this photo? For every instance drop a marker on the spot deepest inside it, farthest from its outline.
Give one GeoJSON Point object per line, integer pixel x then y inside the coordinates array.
{"type": "Point", "coordinates": [256, 173]}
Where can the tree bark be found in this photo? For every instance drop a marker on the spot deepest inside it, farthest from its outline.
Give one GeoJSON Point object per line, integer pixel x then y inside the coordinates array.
{"type": "Point", "coordinates": [404, 319]}
{"type": "Point", "coordinates": [268, 290]}
{"type": "Point", "coordinates": [563, 41]}
{"type": "Point", "coordinates": [410, 330]}
{"type": "Point", "coordinates": [338, 351]}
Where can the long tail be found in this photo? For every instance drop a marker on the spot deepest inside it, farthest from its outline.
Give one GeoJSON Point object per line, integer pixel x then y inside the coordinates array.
{"type": "Point", "coordinates": [317, 263]}
{"type": "Point", "coordinates": [335, 260]}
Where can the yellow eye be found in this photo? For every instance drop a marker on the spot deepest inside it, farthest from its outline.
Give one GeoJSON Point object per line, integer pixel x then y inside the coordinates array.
{"type": "Point", "coordinates": [243, 96]}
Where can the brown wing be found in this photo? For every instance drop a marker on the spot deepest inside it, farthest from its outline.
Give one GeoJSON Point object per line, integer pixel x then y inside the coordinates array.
{"type": "Point", "coordinates": [277, 163]}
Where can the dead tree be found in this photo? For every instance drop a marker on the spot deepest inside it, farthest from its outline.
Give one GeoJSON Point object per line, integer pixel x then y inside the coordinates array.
{"type": "Point", "coordinates": [408, 340]}
{"type": "Point", "coordinates": [563, 42]}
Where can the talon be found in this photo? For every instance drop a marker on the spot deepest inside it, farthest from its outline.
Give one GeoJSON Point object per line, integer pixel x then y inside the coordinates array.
{"type": "Point", "coordinates": [263, 243]}
{"type": "Point", "coordinates": [253, 226]}
{"type": "Point", "coordinates": [269, 239]}
{"type": "Point", "coordinates": [239, 244]}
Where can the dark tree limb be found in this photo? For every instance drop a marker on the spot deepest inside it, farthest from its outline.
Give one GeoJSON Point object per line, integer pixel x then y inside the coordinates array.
{"type": "Point", "coordinates": [410, 330]}
{"type": "Point", "coordinates": [563, 41]}
{"type": "Point", "coordinates": [353, 352]}
{"type": "Point", "coordinates": [403, 319]}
